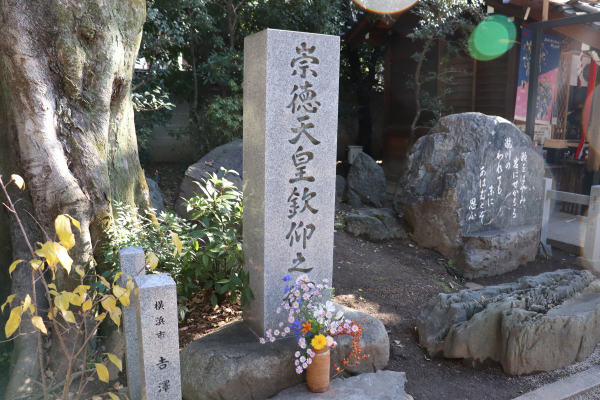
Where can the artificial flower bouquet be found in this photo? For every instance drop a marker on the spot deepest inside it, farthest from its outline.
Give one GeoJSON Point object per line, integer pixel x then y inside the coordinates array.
{"type": "Point", "coordinates": [315, 324]}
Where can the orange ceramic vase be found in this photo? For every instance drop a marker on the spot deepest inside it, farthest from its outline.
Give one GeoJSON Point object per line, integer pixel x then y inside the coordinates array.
{"type": "Point", "coordinates": [317, 373]}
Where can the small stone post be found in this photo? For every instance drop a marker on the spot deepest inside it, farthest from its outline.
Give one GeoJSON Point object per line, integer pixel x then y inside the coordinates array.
{"type": "Point", "coordinates": [291, 85]}
{"type": "Point", "coordinates": [158, 337]}
{"type": "Point", "coordinates": [546, 216]}
{"type": "Point", "coordinates": [591, 248]}
{"type": "Point", "coordinates": [132, 261]}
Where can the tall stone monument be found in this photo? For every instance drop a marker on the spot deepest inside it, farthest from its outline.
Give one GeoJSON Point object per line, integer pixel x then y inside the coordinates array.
{"type": "Point", "coordinates": [291, 85]}
{"type": "Point", "coordinates": [158, 337]}
{"type": "Point", "coordinates": [473, 191]}
{"type": "Point", "coordinates": [133, 263]}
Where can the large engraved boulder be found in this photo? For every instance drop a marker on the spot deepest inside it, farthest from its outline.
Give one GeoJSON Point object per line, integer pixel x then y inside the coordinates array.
{"type": "Point", "coordinates": [228, 156]}
{"type": "Point", "coordinates": [473, 192]}
{"type": "Point", "coordinates": [538, 323]}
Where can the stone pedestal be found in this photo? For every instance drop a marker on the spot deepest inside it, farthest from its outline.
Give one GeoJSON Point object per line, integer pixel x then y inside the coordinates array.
{"type": "Point", "coordinates": [230, 363]}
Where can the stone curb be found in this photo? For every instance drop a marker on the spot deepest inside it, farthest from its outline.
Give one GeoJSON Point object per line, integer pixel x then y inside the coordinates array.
{"type": "Point", "coordinates": [566, 388]}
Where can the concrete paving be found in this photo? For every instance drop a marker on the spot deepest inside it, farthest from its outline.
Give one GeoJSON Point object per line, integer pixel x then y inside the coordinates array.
{"type": "Point", "coordinates": [581, 384]}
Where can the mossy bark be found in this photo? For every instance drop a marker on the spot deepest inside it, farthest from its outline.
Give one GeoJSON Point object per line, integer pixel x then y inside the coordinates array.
{"type": "Point", "coordinates": [67, 127]}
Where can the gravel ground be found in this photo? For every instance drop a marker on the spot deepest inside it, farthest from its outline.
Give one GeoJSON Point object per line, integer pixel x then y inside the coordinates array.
{"type": "Point", "coordinates": [593, 394]}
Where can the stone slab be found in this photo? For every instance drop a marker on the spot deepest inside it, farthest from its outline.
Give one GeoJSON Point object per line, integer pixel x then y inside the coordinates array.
{"type": "Point", "coordinates": [132, 261]}
{"type": "Point", "coordinates": [382, 385]}
{"type": "Point", "coordinates": [158, 337]}
{"type": "Point", "coordinates": [230, 363]}
{"type": "Point", "coordinates": [291, 87]}
{"type": "Point", "coordinates": [566, 388]}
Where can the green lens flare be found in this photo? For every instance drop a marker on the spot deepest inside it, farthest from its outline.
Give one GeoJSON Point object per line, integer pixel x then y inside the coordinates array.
{"type": "Point", "coordinates": [493, 37]}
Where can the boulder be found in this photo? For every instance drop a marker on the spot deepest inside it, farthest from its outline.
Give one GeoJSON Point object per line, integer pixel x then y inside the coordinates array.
{"type": "Point", "coordinates": [230, 363]}
{"type": "Point", "coordinates": [538, 323]}
{"type": "Point", "coordinates": [365, 184]}
{"type": "Point", "coordinates": [473, 191]}
{"type": "Point", "coordinates": [382, 385]}
{"type": "Point", "coordinates": [228, 156]}
{"type": "Point", "coordinates": [156, 197]}
{"type": "Point", "coordinates": [375, 224]}
{"type": "Point", "coordinates": [340, 186]}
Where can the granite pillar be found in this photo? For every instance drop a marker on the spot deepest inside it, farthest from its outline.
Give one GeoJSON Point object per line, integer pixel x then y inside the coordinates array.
{"type": "Point", "coordinates": [133, 263]}
{"type": "Point", "coordinates": [158, 337]}
{"type": "Point", "coordinates": [291, 85]}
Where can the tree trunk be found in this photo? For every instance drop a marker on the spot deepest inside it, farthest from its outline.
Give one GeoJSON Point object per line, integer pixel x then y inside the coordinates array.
{"type": "Point", "coordinates": [66, 125]}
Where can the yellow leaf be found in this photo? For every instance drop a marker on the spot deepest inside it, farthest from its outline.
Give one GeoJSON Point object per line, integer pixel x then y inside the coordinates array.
{"type": "Point", "coordinates": [109, 304]}
{"type": "Point", "coordinates": [105, 282]}
{"type": "Point", "coordinates": [118, 291]}
{"type": "Point", "coordinates": [32, 308]}
{"type": "Point", "coordinates": [13, 266]}
{"type": "Point", "coordinates": [63, 257]}
{"type": "Point", "coordinates": [37, 264]}
{"type": "Point", "coordinates": [69, 317]}
{"type": "Point", "coordinates": [13, 321]}
{"type": "Point", "coordinates": [80, 271]}
{"type": "Point", "coordinates": [102, 372]}
{"type": "Point", "coordinates": [49, 251]}
{"type": "Point", "coordinates": [117, 275]}
{"type": "Point", "coordinates": [87, 305]}
{"type": "Point", "coordinates": [53, 313]}
{"type": "Point", "coordinates": [116, 316]}
{"type": "Point", "coordinates": [101, 317]}
{"type": "Point", "coordinates": [125, 299]}
{"type": "Point", "coordinates": [18, 181]}
{"type": "Point", "coordinates": [176, 242]}
{"type": "Point", "coordinates": [130, 285]}
{"type": "Point", "coordinates": [27, 302]}
{"type": "Point", "coordinates": [115, 360]}
{"type": "Point", "coordinates": [62, 224]}
{"type": "Point", "coordinates": [113, 396]}
{"type": "Point", "coordinates": [66, 299]}
{"type": "Point", "coordinates": [52, 286]}
{"type": "Point", "coordinates": [76, 300]}
{"type": "Point", "coordinates": [75, 222]}
{"type": "Point", "coordinates": [8, 301]}
{"type": "Point", "coordinates": [38, 322]}
{"type": "Point", "coordinates": [152, 260]}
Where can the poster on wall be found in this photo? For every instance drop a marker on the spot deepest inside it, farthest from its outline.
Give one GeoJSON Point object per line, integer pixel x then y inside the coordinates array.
{"type": "Point", "coordinates": [549, 63]}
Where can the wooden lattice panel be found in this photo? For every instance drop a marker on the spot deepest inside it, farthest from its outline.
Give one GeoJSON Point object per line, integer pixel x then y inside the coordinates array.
{"type": "Point", "coordinates": [562, 96]}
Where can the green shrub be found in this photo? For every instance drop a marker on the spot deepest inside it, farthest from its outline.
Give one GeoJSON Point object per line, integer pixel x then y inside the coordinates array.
{"type": "Point", "coordinates": [211, 251]}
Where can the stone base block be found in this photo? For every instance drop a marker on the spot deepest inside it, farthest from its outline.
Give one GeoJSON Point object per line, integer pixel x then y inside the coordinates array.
{"type": "Point", "coordinates": [382, 385]}
{"type": "Point", "coordinates": [497, 252]}
{"type": "Point", "coordinates": [230, 363]}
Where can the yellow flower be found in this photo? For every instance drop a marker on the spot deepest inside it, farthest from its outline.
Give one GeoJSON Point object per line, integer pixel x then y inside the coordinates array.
{"type": "Point", "coordinates": [319, 342]}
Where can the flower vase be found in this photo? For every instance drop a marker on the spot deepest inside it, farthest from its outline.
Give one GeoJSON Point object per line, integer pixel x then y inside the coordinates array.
{"type": "Point", "coordinates": [317, 373]}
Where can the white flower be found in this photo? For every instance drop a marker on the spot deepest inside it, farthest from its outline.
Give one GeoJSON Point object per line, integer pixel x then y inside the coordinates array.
{"type": "Point", "coordinates": [329, 341]}
{"type": "Point", "coordinates": [287, 306]}
{"type": "Point", "coordinates": [272, 339]}
{"type": "Point", "coordinates": [333, 330]}
{"type": "Point", "coordinates": [291, 319]}
{"type": "Point", "coordinates": [354, 328]}
{"type": "Point", "coordinates": [325, 280]}
{"type": "Point", "coordinates": [339, 315]}
{"type": "Point", "coordinates": [311, 353]}
{"type": "Point", "coordinates": [297, 362]}
{"type": "Point", "coordinates": [309, 361]}
{"type": "Point", "coordinates": [297, 354]}
{"type": "Point", "coordinates": [302, 345]}
{"type": "Point", "coordinates": [326, 286]}
{"type": "Point", "coordinates": [278, 310]}
{"type": "Point", "coordinates": [304, 365]}
{"type": "Point", "coordinates": [328, 315]}
{"type": "Point", "coordinates": [282, 334]}
{"type": "Point", "coordinates": [280, 324]}
{"type": "Point", "coordinates": [262, 340]}
{"type": "Point", "coordinates": [302, 340]}
{"type": "Point", "coordinates": [298, 370]}
{"type": "Point", "coordinates": [319, 286]}
{"type": "Point", "coordinates": [297, 311]}
{"type": "Point", "coordinates": [295, 305]}
{"type": "Point", "coordinates": [302, 359]}
{"type": "Point", "coordinates": [287, 329]}
{"type": "Point", "coordinates": [276, 332]}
